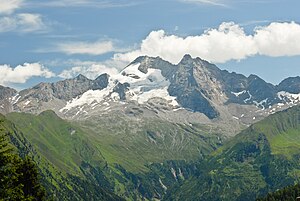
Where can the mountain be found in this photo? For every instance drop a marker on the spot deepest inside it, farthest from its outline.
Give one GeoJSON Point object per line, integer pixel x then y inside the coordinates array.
{"type": "Point", "coordinates": [260, 159]}
{"type": "Point", "coordinates": [193, 91]}
{"type": "Point", "coordinates": [6, 99]}
{"type": "Point", "coordinates": [290, 85]}
{"type": "Point", "coordinates": [193, 85]}
{"type": "Point", "coordinates": [154, 131]}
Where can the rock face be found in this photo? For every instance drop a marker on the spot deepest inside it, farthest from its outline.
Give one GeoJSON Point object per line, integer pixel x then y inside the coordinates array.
{"type": "Point", "coordinates": [194, 88]}
{"type": "Point", "coordinates": [290, 85]}
{"type": "Point", "coordinates": [193, 85]}
{"type": "Point", "coordinates": [6, 92]}
{"type": "Point", "coordinates": [6, 99]}
{"type": "Point", "coordinates": [200, 86]}
{"type": "Point", "coordinates": [66, 89]}
{"type": "Point", "coordinates": [33, 100]}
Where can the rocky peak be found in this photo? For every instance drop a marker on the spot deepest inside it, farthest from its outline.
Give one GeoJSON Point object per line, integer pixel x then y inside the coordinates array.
{"type": "Point", "coordinates": [194, 84]}
{"type": "Point", "coordinates": [190, 85]}
{"type": "Point", "coordinates": [145, 63]}
{"type": "Point", "coordinates": [6, 95]}
{"type": "Point", "coordinates": [81, 77]}
{"type": "Point", "coordinates": [101, 82]}
{"type": "Point", "coordinates": [291, 85]}
{"type": "Point", "coordinates": [187, 59]}
{"type": "Point", "coordinates": [6, 92]}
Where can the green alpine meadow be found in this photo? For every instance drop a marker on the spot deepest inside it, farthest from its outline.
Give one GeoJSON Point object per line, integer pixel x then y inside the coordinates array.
{"type": "Point", "coordinates": [72, 163]}
{"type": "Point", "coordinates": [149, 100]}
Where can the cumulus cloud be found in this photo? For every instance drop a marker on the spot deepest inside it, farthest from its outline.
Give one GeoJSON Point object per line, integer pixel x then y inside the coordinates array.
{"type": "Point", "coordinates": [9, 6]}
{"type": "Point", "coordinates": [21, 73]}
{"type": "Point", "coordinates": [228, 42]}
{"type": "Point", "coordinates": [91, 71]}
{"type": "Point", "coordinates": [278, 39]}
{"type": "Point", "coordinates": [95, 48]}
{"type": "Point", "coordinates": [24, 22]}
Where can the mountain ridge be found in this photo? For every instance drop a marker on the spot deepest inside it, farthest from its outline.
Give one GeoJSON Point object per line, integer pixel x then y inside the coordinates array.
{"type": "Point", "coordinates": [155, 128]}
{"type": "Point", "coordinates": [193, 86]}
{"type": "Point", "coordinates": [249, 165]}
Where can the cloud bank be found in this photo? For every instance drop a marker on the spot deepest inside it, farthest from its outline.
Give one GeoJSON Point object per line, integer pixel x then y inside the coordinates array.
{"type": "Point", "coordinates": [219, 45]}
{"type": "Point", "coordinates": [88, 3]}
{"type": "Point", "coordinates": [22, 73]}
{"type": "Point", "coordinates": [207, 2]}
{"type": "Point", "coordinates": [96, 48]}
{"type": "Point", "coordinates": [227, 42]}
{"type": "Point", "coordinates": [10, 21]}
{"type": "Point", "coordinates": [24, 22]}
{"type": "Point", "coordinates": [91, 71]}
{"type": "Point", "coordinates": [9, 6]}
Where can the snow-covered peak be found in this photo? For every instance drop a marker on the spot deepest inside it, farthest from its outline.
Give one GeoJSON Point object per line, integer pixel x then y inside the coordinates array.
{"type": "Point", "coordinates": [142, 88]}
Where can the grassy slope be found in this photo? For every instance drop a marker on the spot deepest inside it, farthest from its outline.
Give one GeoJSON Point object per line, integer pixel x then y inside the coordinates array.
{"type": "Point", "coordinates": [60, 183]}
{"type": "Point", "coordinates": [62, 143]}
{"type": "Point", "coordinates": [133, 144]}
{"type": "Point", "coordinates": [114, 140]}
{"type": "Point", "coordinates": [106, 145]}
{"type": "Point", "coordinates": [262, 158]}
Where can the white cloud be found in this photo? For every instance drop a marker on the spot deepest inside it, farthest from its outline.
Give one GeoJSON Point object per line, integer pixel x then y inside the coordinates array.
{"type": "Point", "coordinates": [9, 6]}
{"type": "Point", "coordinates": [95, 48]}
{"type": "Point", "coordinates": [278, 39]}
{"type": "Point", "coordinates": [91, 71]}
{"type": "Point", "coordinates": [87, 3]}
{"type": "Point", "coordinates": [207, 2]}
{"type": "Point", "coordinates": [22, 73]}
{"type": "Point", "coordinates": [228, 42]}
{"type": "Point", "coordinates": [24, 22]}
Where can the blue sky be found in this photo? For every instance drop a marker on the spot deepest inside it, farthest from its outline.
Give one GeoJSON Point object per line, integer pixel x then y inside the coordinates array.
{"type": "Point", "coordinates": [52, 40]}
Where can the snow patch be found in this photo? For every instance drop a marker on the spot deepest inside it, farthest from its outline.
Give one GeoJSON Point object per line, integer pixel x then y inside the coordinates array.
{"type": "Point", "coordinates": [181, 174]}
{"type": "Point", "coordinates": [144, 86]}
{"type": "Point", "coordinates": [142, 98]}
{"type": "Point", "coordinates": [248, 99]}
{"type": "Point", "coordinates": [27, 102]}
{"type": "Point", "coordinates": [288, 97]}
{"type": "Point", "coordinates": [174, 173]}
{"type": "Point", "coordinates": [105, 103]}
{"type": "Point", "coordinates": [237, 94]}
{"type": "Point", "coordinates": [162, 185]}
{"type": "Point", "coordinates": [15, 99]}
{"type": "Point", "coordinates": [115, 96]}
{"type": "Point", "coordinates": [73, 132]}
{"type": "Point", "coordinates": [177, 109]}
{"type": "Point", "coordinates": [88, 98]}
{"type": "Point", "coordinates": [261, 104]}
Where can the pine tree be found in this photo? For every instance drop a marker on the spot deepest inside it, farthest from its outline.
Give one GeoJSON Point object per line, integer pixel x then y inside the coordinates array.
{"type": "Point", "coordinates": [9, 189]}
{"type": "Point", "coordinates": [18, 178]}
{"type": "Point", "coordinates": [29, 177]}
